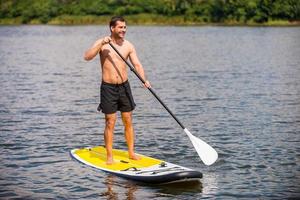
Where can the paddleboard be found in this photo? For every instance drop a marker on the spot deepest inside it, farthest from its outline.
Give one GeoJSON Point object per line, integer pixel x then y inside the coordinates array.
{"type": "Point", "coordinates": [147, 169]}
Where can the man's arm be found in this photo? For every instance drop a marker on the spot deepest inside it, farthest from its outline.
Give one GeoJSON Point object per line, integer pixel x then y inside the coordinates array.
{"type": "Point", "coordinates": [94, 50]}
{"type": "Point", "coordinates": [138, 66]}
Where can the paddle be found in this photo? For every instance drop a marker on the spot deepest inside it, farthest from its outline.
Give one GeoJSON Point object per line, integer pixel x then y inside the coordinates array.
{"type": "Point", "coordinates": [207, 154]}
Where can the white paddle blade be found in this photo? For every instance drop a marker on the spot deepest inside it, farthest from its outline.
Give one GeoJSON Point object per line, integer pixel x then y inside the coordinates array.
{"type": "Point", "coordinates": [207, 154]}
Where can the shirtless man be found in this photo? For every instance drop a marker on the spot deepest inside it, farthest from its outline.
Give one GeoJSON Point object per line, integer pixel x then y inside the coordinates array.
{"type": "Point", "coordinates": [115, 89]}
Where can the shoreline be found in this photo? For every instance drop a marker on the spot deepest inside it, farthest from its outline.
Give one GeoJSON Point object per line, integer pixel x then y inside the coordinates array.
{"type": "Point", "coordinates": [144, 20]}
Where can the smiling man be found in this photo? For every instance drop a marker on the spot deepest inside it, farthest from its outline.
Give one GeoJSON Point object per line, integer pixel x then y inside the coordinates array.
{"type": "Point", "coordinates": [115, 89]}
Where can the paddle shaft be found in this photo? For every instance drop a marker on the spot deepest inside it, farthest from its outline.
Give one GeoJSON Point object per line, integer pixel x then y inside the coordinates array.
{"type": "Point", "coordinates": [150, 89]}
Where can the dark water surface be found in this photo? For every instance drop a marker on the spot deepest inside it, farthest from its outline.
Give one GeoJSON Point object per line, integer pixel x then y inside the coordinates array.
{"type": "Point", "coordinates": [237, 88]}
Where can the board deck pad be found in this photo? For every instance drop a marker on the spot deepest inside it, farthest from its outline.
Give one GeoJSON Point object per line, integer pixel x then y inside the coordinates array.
{"type": "Point", "coordinates": [147, 169]}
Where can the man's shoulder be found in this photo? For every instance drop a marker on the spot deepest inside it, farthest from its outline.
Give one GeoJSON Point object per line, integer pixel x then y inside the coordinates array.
{"type": "Point", "coordinates": [129, 45]}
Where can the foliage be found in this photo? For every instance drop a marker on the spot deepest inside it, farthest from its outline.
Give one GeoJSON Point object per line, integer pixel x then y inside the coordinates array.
{"type": "Point", "coordinates": [242, 11]}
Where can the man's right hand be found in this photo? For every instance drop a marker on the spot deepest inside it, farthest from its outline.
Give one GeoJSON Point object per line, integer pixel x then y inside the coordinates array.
{"type": "Point", "coordinates": [106, 40]}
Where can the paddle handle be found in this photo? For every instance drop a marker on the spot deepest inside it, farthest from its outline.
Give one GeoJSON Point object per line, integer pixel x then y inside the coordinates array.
{"type": "Point", "coordinates": [150, 89]}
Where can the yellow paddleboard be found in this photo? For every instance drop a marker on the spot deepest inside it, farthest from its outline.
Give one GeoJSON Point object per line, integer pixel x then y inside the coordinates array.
{"type": "Point", "coordinates": [147, 169]}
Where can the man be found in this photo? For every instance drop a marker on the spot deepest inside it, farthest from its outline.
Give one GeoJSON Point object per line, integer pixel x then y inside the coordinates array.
{"type": "Point", "coordinates": [115, 89]}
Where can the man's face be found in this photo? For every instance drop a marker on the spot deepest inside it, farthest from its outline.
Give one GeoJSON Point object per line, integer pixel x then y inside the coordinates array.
{"type": "Point", "coordinates": [119, 30]}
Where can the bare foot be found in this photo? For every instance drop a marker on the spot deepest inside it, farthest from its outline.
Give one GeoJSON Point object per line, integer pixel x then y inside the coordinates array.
{"type": "Point", "coordinates": [110, 161]}
{"type": "Point", "coordinates": [135, 157]}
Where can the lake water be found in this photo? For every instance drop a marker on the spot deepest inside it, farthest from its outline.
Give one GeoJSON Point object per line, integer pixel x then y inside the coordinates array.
{"type": "Point", "coordinates": [237, 88]}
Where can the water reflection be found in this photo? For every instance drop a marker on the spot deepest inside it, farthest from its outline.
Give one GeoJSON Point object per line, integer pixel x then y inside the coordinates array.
{"type": "Point", "coordinates": [111, 194]}
{"type": "Point", "coordinates": [210, 181]}
{"type": "Point", "coordinates": [194, 186]}
{"type": "Point", "coordinates": [115, 189]}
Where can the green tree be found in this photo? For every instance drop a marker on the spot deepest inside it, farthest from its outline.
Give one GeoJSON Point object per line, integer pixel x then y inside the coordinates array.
{"type": "Point", "coordinates": [259, 11]}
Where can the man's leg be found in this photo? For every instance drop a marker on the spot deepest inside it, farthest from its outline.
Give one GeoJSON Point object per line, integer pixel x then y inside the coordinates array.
{"type": "Point", "coordinates": [110, 121]}
{"type": "Point", "coordinates": [129, 134]}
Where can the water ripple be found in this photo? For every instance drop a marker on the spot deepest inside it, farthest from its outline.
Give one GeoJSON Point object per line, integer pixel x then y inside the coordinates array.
{"type": "Point", "coordinates": [236, 88]}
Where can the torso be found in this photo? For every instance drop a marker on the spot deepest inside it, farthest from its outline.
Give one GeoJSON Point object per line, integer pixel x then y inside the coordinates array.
{"type": "Point", "coordinates": [114, 69]}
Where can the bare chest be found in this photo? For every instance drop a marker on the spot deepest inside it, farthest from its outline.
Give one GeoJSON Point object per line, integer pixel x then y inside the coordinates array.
{"type": "Point", "coordinates": [107, 53]}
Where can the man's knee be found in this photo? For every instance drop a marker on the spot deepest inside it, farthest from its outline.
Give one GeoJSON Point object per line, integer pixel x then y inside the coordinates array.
{"type": "Point", "coordinates": [127, 118]}
{"type": "Point", "coordinates": [110, 121]}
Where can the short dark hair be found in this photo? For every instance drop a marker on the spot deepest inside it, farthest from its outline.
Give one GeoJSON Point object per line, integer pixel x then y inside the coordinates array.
{"type": "Point", "coordinates": [114, 20]}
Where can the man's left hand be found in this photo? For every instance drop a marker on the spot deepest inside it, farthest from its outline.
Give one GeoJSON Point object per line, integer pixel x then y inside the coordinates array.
{"type": "Point", "coordinates": [147, 84]}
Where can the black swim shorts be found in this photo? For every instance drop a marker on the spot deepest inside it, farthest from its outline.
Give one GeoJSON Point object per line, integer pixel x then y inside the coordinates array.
{"type": "Point", "coordinates": [114, 97]}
